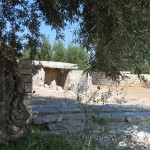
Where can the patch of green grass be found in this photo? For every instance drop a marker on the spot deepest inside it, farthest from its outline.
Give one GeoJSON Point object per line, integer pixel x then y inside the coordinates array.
{"type": "Point", "coordinates": [36, 141]}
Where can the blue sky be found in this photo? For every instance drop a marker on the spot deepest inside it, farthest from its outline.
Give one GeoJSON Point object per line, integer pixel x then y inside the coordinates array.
{"type": "Point", "coordinates": [51, 34]}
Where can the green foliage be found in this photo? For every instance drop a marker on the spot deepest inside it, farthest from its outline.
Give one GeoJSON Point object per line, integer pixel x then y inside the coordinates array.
{"type": "Point", "coordinates": [26, 54]}
{"type": "Point", "coordinates": [78, 55]}
{"type": "Point", "coordinates": [59, 52]}
{"type": "Point", "coordinates": [117, 31]}
{"type": "Point", "coordinates": [72, 54]}
{"type": "Point", "coordinates": [16, 18]}
{"type": "Point", "coordinates": [45, 51]}
{"type": "Point", "coordinates": [146, 67]}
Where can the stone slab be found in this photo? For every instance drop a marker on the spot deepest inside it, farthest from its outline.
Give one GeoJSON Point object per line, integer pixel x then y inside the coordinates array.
{"type": "Point", "coordinates": [46, 119]}
{"type": "Point", "coordinates": [69, 127]}
{"type": "Point", "coordinates": [27, 102]}
{"type": "Point", "coordinates": [25, 64]}
{"type": "Point", "coordinates": [52, 64]}
{"type": "Point", "coordinates": [69, 110]}
{"type": "Point", "coordinates": [26, 71]}
{"type": "Point", "coordinates": [80, 116]}
{"type": "Point", "coordinates": [43, 110]}
{"type": "Point", "coordinates": [28, 97]}
{"type": "Point", "coordinates": [28, 87]}
{"type": "Point", "coordinates": [130, 117]}
{"type": "Point", "coordinates": [42, 119]}
{"type": "Point", "coordinates": [37, 106]}
{"type": "Point", "coordinates": [115, 108]}
{"type": "Point", "coordinates": [27, 78]}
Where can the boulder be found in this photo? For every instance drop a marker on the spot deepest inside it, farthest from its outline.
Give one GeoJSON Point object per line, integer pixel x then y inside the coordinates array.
{"type": "Point", "coordinates": [39, 77]}
{"type": "Point", "coordinates": [84, 87]}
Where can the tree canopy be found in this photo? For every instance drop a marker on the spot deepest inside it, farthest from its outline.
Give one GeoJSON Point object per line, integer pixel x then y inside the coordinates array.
{"type": "Point", "coordinates": [117, 30]}
{"type": "Point", "coordinates": [44, 52]}
{"type": "Point", "coordinates": [57, 52]}
{"type": "Point", "coordinates": [78, 55]}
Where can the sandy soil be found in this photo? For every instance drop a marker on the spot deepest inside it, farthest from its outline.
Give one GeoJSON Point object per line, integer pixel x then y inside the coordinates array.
{"type": "Point", "coordinates": [139, 93]}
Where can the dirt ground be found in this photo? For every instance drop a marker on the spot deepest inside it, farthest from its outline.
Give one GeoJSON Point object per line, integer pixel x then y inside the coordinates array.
{"type": "Point", "coordinates": [139, 93]}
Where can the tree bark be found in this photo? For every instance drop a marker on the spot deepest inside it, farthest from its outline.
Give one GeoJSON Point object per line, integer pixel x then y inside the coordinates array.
{"type": "Point", "coordinates": [13, 114]}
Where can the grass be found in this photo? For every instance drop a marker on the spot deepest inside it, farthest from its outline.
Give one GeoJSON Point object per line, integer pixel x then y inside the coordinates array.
{"type": "Point", "coordinates": [35, 141]}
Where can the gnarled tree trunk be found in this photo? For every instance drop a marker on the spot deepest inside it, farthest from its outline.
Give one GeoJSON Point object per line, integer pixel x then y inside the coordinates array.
{"type": "Point", "coordinates": [13, 114]}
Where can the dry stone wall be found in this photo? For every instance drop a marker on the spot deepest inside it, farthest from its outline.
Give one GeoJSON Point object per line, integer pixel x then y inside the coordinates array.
{"type": "Point", "coordinates": [98, 79]}
{"type": "Point", "coordinates": [128, 79]}
{"type": "Point", "coordinates": [25, 67]}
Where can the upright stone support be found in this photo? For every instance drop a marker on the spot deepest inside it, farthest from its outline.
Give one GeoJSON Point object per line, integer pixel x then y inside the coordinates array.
{"type": "Point", "coordinates": [25, 67]}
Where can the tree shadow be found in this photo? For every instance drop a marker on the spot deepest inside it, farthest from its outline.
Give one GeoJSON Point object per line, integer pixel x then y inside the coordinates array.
{"type": "Point", "coordinates": [110, 124]}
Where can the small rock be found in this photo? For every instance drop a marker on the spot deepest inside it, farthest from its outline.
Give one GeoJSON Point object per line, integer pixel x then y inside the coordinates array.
{"type": "Point", "coordinates": [45, 85]}
{"type": "Point", "coordinates": [53, 85]}
{"type": "Point", "coordinates": [60, 89]}
{"type": "Point", "coordinates": [121, 145]}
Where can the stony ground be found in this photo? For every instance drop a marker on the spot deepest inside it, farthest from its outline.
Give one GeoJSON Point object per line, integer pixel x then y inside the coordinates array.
{"type": "Point", "coordinates": [124, 126]}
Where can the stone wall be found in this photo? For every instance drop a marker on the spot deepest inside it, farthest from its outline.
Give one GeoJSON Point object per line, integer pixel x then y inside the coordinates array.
{"type": "Point", "coordinates": [26, 73]}
{"type": "Point", "coordinates": [129, 79]}
{"type": "Point", "coordinates": [99, 79]}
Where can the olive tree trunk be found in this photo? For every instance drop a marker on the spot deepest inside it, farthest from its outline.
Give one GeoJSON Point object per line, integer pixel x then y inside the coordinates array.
{"type": "Point", "coordinates": [13, 114]}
